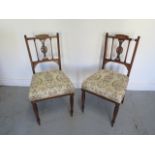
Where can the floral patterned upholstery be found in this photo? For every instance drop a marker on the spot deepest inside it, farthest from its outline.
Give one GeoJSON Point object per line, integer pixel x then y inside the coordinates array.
{"type": "Point", "coordinates": [49, 84]}
{"type": "Point", "coordinates": [108, 84]}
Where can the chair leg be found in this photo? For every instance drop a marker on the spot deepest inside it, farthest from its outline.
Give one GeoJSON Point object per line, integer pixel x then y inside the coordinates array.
{"type": "Point", "coordinates": [35, 109]}
{"type": "Point", "coordinates": [71, 104]}
{"type": "Point", "coordinates": [83, 100]}
{"type": "Point", "coordinates": [115, 114]}
{"type": "Point", "coordinates": [123, 100]}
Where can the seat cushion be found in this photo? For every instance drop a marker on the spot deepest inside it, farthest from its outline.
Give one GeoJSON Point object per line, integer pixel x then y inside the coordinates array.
{"type": "Point", "coordinates": [108, 84]}
{"type": "Point", "coordinates": [49, 84]}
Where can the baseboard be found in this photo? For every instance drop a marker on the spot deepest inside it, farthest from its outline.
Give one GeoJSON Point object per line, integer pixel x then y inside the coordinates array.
{"type": "Point", "coordinates": [26, 82]}
{"type": "Point", "coordinates": [15, 82]}
{"type": "Point", "coordinates": [148, 86]}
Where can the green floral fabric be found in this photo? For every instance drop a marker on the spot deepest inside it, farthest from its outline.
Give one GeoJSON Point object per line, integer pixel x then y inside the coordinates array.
{"type": "Point", "coordinates": [49, 84]}
{"type": "Point", "coordinates": [106, 83]}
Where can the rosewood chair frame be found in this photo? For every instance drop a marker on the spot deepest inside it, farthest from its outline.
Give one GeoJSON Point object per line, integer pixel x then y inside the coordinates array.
{"type": "Point", "coordinates": [119, 50]}
{"type": "Point", "coordinates": [43, 38]}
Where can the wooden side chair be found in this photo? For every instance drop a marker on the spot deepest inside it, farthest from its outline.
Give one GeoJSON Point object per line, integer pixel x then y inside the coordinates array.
{"type": "Point", "coordinates": [48, 84]}
{"type": "Point", "coordinates": [108, 84]}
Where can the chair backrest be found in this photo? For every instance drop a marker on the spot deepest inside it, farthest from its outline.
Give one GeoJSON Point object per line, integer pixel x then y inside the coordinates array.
{"type": "Point", "coordinates": [120, 48]}
{"type": "Point", "coordinates": [42, 39]}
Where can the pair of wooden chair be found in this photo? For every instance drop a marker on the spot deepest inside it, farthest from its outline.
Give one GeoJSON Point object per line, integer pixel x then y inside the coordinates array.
{"type": "Point", "coordinates": [108, 84]}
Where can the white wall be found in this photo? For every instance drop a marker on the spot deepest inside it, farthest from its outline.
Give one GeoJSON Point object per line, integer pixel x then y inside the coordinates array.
{"type": "Point", "coordinates": [81, 43]}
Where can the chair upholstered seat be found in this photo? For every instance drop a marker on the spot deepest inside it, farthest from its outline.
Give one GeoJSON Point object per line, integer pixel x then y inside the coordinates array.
{"type": "Point", "coordinates": [108, 84]}
{"type": "Point", "coordinates": [49, 84]}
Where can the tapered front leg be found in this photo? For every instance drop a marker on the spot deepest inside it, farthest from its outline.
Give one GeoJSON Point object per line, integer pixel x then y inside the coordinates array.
{"type": "Point", "coordinates": [116, 108]}
{"type": "Point", "coordinates": [35, 109]}
{"type": "Point", "coordinates": [82, 100]}
{"type": "Point", "coordinates": [71, 104]}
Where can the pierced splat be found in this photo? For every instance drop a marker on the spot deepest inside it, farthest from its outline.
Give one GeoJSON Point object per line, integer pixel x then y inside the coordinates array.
{"type": "Point", "coordinates": [44, 49]}
{"type": "Point", "coordinates": [119, 49]}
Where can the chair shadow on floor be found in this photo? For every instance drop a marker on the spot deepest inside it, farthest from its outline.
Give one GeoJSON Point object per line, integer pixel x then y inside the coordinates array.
{"type": "Point", "coordinates": [96, 105]}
